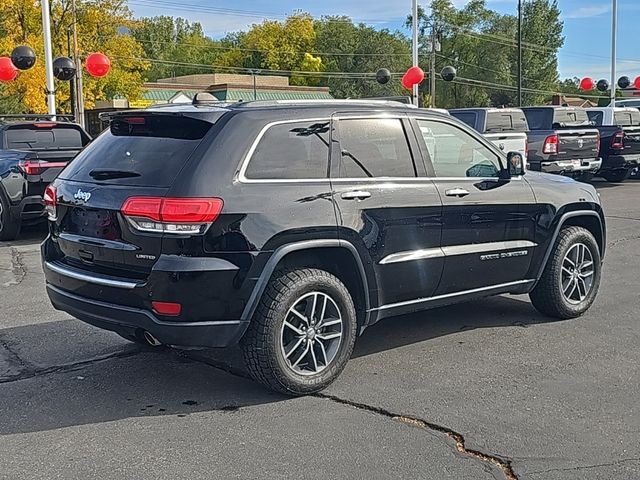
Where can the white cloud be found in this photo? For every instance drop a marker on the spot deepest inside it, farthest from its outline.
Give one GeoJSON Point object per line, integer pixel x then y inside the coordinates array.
{"type": "Point", "coordinates": [588, 11]}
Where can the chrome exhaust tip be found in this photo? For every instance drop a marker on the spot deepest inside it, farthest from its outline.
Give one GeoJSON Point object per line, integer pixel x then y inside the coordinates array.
{"type": "Point", "coordinates": [151, 340]}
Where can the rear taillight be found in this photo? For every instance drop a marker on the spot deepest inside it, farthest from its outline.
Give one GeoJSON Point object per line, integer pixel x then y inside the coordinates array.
{"type": "Point", "coordinates": [617, 142]}
{"type": "Point", "coordinates": [169, 309]}
{"type": "Point", "coordinates": [597, 149]}
{"type": "Point", "coordinates": [550, 145]}
{"type": "Point", "coordinates": [186, 216]}
{"type": "Point", "coordinates": [38, 167]}
{"type": "Point", "coordinates": [50, 200]}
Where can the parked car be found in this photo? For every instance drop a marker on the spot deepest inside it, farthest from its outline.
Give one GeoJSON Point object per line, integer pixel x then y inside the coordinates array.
{"type": "Point", "coordinates": [505, 127]}
{"type": "Point", "coordinates": [33, 150]}
{"type": "Point", "coordinates": [291, 227]}
{"type": "Point", "coordinates": [562, 141]}
{"type": "Point", "coordinates": [619, 140]}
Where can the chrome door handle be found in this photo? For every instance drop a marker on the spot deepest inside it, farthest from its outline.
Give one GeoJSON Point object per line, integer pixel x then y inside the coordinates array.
{"type": "Point", "coordinates": [356, 195]}
{"type": "Point", "coordinates": [457, 192]}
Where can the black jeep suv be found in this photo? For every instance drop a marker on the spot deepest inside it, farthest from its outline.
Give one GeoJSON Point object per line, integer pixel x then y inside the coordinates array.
{"type": "Point", "coordinates": [290, 227]}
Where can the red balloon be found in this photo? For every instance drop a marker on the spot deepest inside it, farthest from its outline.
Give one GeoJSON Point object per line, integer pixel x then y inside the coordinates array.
{"type": "Point", "coordinates": [415, 76]}
{"type": "Point", "coordinates": [587, 84]}
{"type": "Point", "coordinates": [636, 83]}
{"type": "Point", "coordinates": [8, 70]}
{"type": "Point", "coordinates": [97, 64]}
{"type": "Point", "coordinates": [405, 82]}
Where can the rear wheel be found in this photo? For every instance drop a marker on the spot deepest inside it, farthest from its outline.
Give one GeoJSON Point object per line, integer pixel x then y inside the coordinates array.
{"type": "Point", "coordinates": [302, 334]}
{"type": "Point", "coordinates": [9, 228]}
{"type": "Point", "coordinates": [571, 278]}
{"type": "Point", "coordinates": [616, 176]}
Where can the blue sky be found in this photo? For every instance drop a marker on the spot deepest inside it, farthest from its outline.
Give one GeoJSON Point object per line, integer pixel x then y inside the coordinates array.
{"type": "Point", "coordinates": [587, 23]}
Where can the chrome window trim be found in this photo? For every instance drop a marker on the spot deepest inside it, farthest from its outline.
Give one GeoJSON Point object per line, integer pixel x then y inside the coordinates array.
{"type": "Point", "coordinates": [454, 294]}
{"type": "Point", "coordinates": [455, 250]}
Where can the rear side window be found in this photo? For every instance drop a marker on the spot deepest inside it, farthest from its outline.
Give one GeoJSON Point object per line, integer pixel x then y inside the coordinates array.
{"type": "Point", "coordinates": [143, 151]}
{"type": "Point", "coordinates": [539, 118]}
{"type": "Point", "coordinates": [42, 138]}
{"type": "Point", "coordinates": [596, 117]}
{"type": "Point", "coordinates": [628, 118]}
{"type": "Point", "coordinates": [375, 147]}
{"type": "Point", "coordinates": [298, 150]}
{"type": "Point", "coordinates": [506, 122]}
{"type": "Point", "coordinates": [467, 117]}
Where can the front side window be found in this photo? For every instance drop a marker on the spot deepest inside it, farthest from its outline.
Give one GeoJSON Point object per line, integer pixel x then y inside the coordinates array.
{"type": "Point", "coordinates": [298, 150]}
{"type": "Point", "coordinates": [374, 147]}
{"type": "Point", "coordinates": [455, 153]}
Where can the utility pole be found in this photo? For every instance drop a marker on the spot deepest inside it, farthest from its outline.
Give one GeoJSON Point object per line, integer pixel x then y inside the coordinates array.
{"type": "Point", "coordinates": [78, 111]}
{"type": "Point", "coordinates": [614, 41]}
{"type": "Point", "coordinates": [432, 65]}
{"type": "Point", "coordinates": [48, 58]}
{"type": "Point", "coordinates": [414, 48]}
{"type": "Point", "coordinates": [520, 53]}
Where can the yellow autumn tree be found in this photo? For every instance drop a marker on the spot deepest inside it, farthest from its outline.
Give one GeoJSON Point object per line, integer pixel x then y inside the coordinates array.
{"type": "Point", "coordinates": [103, 26]}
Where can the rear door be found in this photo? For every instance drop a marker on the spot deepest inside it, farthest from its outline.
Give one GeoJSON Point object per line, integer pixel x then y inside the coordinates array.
{"type": "Point", "coordinates": [487, 237]}
{"type": "Point", "coordinates": [386, 207]}
{"type": "Point", "coordinates": [138, 156]}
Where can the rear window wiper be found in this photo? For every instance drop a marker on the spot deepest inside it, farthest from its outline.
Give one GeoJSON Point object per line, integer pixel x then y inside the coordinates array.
{"type": "Point", "coordinates": [111, 174]}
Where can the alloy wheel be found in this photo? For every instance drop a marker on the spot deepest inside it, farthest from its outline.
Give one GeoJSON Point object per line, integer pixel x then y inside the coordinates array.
{"type": "Point", "coordinates": [578, 272]}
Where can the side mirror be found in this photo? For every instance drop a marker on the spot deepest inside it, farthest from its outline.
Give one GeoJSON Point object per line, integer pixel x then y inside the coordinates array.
{"type": "Point", "coordinates": [515, 163]}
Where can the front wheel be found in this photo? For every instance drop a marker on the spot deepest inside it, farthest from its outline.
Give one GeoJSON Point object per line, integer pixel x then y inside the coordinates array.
{"type": "Point", "coordinates": [571, 278]}
{"type": "Point", "coordinates": [302, 334]}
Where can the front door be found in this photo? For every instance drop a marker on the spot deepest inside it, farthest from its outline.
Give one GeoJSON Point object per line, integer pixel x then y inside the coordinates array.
{"type": "Point", "coordinates": [386, 206]}
{"type": "Point", "coordinates": [487, 231]}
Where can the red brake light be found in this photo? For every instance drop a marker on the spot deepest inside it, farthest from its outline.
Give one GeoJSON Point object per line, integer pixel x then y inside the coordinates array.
{"type": "Point", "coordinates": [135, 120]}
{"type": "Point", "coordinates": [44, 125]}
{"type": "Point", "coordinates": [550, 145]}
{"type": "Point", "coordinates": [172, 215]}
{"type": "Point", "coordinates": [37, 167]}
{"type": "Point", "coordinates": [50, 199]}
{"type": "Point", "coordinates": [617, 142]}
{"type": "Point", "coordinates": [167, 308]}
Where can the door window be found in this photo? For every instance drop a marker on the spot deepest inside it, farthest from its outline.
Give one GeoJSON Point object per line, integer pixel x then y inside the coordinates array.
{"type": "Point", "coordinates": [455, 153]}
{"type": "Point", "coordinates": [374, 147]}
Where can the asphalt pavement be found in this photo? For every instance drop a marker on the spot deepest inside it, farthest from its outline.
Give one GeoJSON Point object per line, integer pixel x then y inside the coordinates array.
{"type": "Point", "coordinates": [485, 390]}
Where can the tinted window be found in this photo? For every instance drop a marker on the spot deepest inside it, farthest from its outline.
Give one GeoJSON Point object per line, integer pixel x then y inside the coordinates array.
{"type": "Point", "coordinates": [506, 122]}
{"type": "Point", "coordinates": [455, 153]}
{"type": "Point", "coordinates": [596, 117]}
{"type": "Point", "coordinates": [374, 148]}
{"type": "Point", "coordinates": [292, 150]}
{"type": "Point", "coordinates": [627, 119]}
{"type": "Point", "coordinates": [570, 117]}
{"type": "Point", "coordinates": [467, 117]}
{"type": "Point", "coordinates": [148, 150]}
{"type": "Point", "coordinates": [539, 118]}
{"type": "Point", "coordinates": [44, 138]}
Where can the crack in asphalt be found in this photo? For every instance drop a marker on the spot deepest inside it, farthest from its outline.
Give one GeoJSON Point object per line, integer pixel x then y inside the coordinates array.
{"type": "Point", "coordinates": [616, 217]}
{"type": "Point", "coordinates": [622, 240]}
{"type": "Point", "coordinates": [24, 365]}
{"type": "Point", "coordinates": [39, 372]}
{"type": "Point", "coordinates": [586, 467]}
{"type": "Point", "coordinates": [503, 464]}
{"type": "Point", "coordinates": [18, 268]}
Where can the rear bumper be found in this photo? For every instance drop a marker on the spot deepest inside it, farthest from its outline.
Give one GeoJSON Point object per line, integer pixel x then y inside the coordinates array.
{"type": "Point", "coordinates": [572, 167]}
{"type": "Point", "coordinates": [132, 321]}
{"type": "Point", "coordinates": [29, 208]}
{"type": "Point", "coordinates": [620, 162]}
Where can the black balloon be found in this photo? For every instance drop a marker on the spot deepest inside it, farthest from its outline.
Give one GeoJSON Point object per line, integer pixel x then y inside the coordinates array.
{"type": "Point", "coordinates": [383, 76]}
{"type": "Point", "coordinates": [64, 68]}
{"type": "Point", "coordinates": [624, 82]}
{"type": "Point", "coordinates": [448, 74]}
{"type": "Point", "coordinates": [23, 57]}
{"type": "Point", "coordinates": [602, 85]}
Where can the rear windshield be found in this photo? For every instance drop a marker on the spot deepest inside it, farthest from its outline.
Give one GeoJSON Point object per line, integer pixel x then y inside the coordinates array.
{"type": "Point", "coordinates": [627, 118]}
{"type": "Point", "coordinates": [597, 117]}
{"type": "Point", "coordinates": [31, 137]}
{"type": "Point", "coordinates": [143, 151]}
{"type": "Point", "coordinates": [507, 121]}
{"type": "Point", "coordinates": [467, 117]}
{"type": "Point", "coordinates": [570, 117]}
{"type": "Point", "coordinates": [539, 118]}
{"type": "Point", "coordinates": [555, 118]}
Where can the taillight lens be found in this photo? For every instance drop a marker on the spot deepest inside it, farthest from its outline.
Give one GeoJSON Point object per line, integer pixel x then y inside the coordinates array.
{"type": "Point", "coordinates": [37, 167]}
{"type": "Point", "coordinates": [550, 145]}
{"type": "Point", "coordinates": [186, 216]}
{"type": "Point", "coordinates": [617, 142]}
{"type": "Point", "coordinates": [169, 309]}
{"type": "Point", "coordinates": [50, 199]}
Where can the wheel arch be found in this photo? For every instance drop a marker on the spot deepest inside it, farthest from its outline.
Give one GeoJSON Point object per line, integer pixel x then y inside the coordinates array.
{"type": "Point", "coordinates": [336, 256]}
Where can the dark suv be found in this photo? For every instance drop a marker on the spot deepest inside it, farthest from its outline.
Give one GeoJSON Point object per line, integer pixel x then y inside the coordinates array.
{"type": "Point", "coordinates": [290, 227]}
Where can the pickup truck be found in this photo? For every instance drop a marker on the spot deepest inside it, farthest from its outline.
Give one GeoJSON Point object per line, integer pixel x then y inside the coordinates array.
{"type": "Point", "coordinates": [506, 128]}
{"type": "Point", "coordinates": [33, 150]}
{"type": "Point", "coordinates": [619, 140]}
{"type": "Point", "coordinates": [563, 141]}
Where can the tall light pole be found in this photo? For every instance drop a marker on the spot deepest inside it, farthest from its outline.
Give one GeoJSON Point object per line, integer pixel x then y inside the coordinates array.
{"type": "Point", "coordinates": [614, 41]}
{"type": "Point", "coordinates": [519, 53]}
{"type": "Point", "coordinates": [48, 58]}
{"type": "Point", "coordinates": [414, 48]}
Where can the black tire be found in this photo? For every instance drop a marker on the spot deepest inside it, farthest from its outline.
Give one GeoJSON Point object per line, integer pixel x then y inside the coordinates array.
{"type": "Point", "coordinates": [585, 177]}
{"type": "Point", "coordinates": [263, 345]}
{"type": "Point", "coordinates": [549, 297]}
{"type": "Point", "coordinates": [616, 176]}
{"type": "Point", "coordinates": [9, 228]}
